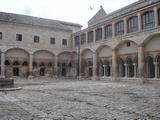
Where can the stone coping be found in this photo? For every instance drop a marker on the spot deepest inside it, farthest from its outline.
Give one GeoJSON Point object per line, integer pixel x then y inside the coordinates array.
{"type": "Point", "coordinates": [10, 89]}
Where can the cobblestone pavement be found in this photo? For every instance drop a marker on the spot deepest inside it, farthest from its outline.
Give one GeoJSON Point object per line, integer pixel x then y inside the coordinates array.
{"type": "Point", "coordinates": [80, 100]}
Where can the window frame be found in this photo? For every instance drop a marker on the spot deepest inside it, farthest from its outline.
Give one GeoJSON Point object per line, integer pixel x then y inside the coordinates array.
{"type": "Point", "coordinates": [18, 37]}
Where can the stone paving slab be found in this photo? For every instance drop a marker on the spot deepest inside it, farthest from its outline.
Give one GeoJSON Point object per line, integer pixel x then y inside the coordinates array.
{"type": "Point", "coordinates": [80, 100]}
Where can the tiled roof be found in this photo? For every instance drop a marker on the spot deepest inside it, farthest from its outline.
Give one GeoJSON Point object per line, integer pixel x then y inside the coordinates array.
{"type": "Point", "coordinates": [35, 21]}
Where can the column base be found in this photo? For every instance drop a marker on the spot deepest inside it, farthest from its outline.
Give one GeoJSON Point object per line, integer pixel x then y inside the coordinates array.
{"type": "Point", "coordinates": [94, 78]}
{"type": "Point", "coordinates": [115, 79]}
{"type": "Point", "coordinates": [142, 80]}
{"type": "Point", "coordinates": [2, 76]}
{"type": "Point", "coordinates": [30, 77]}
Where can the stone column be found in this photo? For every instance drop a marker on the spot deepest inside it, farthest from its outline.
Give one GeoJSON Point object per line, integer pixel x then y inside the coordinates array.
{"type": "Point", "coordinates": [113, 30]}
{"type": "Point", "coordinates": [94, 66]}
{"type": "Point", "coordinates": [2, 65]}
{"type": "Point", "coordinates": [139, 22]}
{"type": "Point", "coordinates": [56, 65]}
{"type": "Point", "coordinates": [86, 38]}
{"type": "Point", "coordinates": [141, 74]}
{"type": "Point", "coordinates": [125, 26]}
{"type": "Point", "coordinates": [103, 33]}
{"type": "Point", "coordinates": [30, 66]}
{"type": "Point", "coordinates": [110, 69]}
{"type": "Point", "coordinates": [126, 70]}
{"type": "Point", "coordinates": [135, 69]}
{"type": "Point", "coordinates": [156, 70]}
{"type": "Point", "coordinates": [104, 71]}
{"type": "Point", "coordinates": [114, 66]}
{"type": "Point", "coordinates": [94, 35]}
{"type": "Point", "coordinates": [156, 16]}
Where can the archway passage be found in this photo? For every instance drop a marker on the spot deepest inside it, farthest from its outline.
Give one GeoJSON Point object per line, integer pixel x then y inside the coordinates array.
{"type": "Point", "coordinates": [43, 63]}
{"type": "Point", "coordinates": [16, 63]}
{"type": "Point", "coordinates": [150, 67]}
{"type": "Point", "coordinates": [104, 56]}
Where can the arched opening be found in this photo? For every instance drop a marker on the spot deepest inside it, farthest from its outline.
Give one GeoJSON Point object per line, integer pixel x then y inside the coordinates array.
{"type": "Point", "coordinates": [150, 67]}
{"type": "Point", "coordinates": [7, 63]}
{"type": "Point", "coordinates": [44, 58]}
{"type": "Point", "coordinates": [42, 69]}
{"type": "Point", "coordinates": [158, 66]}
{"type": "Point", "coordinates": [130, 67]}
{"type": "Point", "coordinates": [16, 68]}
{"type": "Point", "coordinates": [25, 63]}
{"type": "Point", "coordinates": [106, 69]}
{"type": "Point", "coordinates": [121, 68]}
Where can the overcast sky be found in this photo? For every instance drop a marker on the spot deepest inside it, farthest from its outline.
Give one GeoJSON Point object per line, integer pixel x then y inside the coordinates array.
{"type": "Point", "coordinates": [77, 11]}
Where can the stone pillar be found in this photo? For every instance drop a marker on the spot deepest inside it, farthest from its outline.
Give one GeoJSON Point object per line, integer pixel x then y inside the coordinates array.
{"type": "Point", "coordinates": [94, 35]}
{"type": "Point", "coordinates": [141, 74]}
{"type": "Point", "coordinates": [156, 70]}
{"type": "Point", "coordinates": [158, 75]}
{"type": "Point", "coordinates": [135, 70]}
{"type": "Point", "coordinates": [114, 66]}
{"type": "Point", "coordinates": [103, 33]}
{"type": "Point", "coordinates": [113, 30]}
{"type": "Point", "coordinates": [125, 26]}
{"type": "Point", "coordinates": [56, 65]}
{"type": "Point", "coordinates": [104, 70]}
{"type": "Point", "coordinates": [139, 22]}
{"type": "Point", "coordinates": [86, 38]}
{"type": "Point", "coordinates": [110, 69]}
{"type": "Point", "coordinates": [156, 16]}
{"type": "Point", "coordinates": [30, 66]}
{"type": "Point", "coordinates": [94, 66]}
{"type": "Point", "coordinates": [126, 70]}
{"type": "Point", "coordinates": [2, 65]}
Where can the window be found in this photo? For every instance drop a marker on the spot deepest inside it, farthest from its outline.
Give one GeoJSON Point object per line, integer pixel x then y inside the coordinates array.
{"type": "Point", "coordinates": [148, 20]}
{"type": "Point", "coordinates": [76, 40]}
{"type": "Point", "coordinates": [52, 40]}
{"type": "Point", "coordinates": [0, 35]}
{"type": "Point", "coordinates": [98, 34]}
{"type": "Point", "coordinates": [119, 28]}
{"type": "Point", "coordinates": [83, 38]}
{"type": "Point", "coordinates": [108, 31]}
{"type": "Point", "coordinates": [132, 24]}
{"type": "Point", "coordinates": [64, 41]}
{"type": "Point", "coordinates": [36, 39]}
{"type": "Point", "coordinates": [128, 44]}
{"type": "Point", "coordinates": [18, 37]}
{"type": "Point", "coordinates": [158, 16]}
{"type": "Point", "coordinates": [90, 36]}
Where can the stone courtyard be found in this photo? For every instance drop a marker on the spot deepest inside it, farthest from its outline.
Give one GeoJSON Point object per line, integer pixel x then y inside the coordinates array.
{"type": "Point", "coordinates": [80, 100]}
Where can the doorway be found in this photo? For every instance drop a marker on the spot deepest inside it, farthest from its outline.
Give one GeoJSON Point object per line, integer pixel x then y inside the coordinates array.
{"type": "Point", "coordinates": [42, 71]}
{"type": "Point", "coordinates": [15, 71]}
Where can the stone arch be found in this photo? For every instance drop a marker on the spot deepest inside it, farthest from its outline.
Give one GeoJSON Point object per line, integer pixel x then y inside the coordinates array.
{"type": "Point", "coordinates": [67, 64]}
{"type": "Point", "coordinates": [40, 60]}
{"type": "Point", "coordinates": [17, 53]}
{"type": "Point", "coordinates": [100, 51]}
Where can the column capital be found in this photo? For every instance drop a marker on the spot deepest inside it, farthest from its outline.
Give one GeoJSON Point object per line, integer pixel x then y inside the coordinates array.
{"type": "Point", "coordinates": [156, 63]}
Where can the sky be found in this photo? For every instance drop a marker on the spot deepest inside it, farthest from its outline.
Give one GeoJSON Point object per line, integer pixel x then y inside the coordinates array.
{"type": "Point", "coordinates": [76, 11]}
